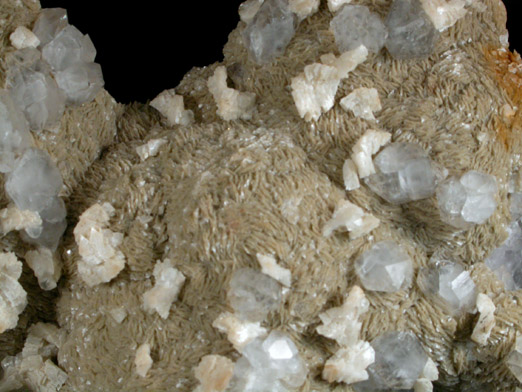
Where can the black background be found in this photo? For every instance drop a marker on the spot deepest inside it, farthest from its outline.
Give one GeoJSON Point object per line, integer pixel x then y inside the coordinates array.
{"type": "Point", "coordinates": [147, 47]}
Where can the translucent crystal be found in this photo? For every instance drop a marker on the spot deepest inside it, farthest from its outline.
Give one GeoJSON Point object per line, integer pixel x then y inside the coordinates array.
{"type": "Point", "coordinates": [22, 38]}
{"type": "Point", "coordinates": [411, 34]}
{"type": "Point", "coordinates": [12, 218]}
{"type": "Point", "coordinates": [50, 235]}
{"type": "Point", "coordinates": [46, 267]}
{"type": "Point", "coordinates": [13, 298]}
{"type": "Point", "coordinates": [362, 102]}
{"type": "Point", "coordinates": [468, 200]}
{"type": "Point", "coordinates": [352, 218]}
{"type": "Point", "coordinates": [451, 283]}
{"type": "Point", "coordinates": [506, 260]}
{"type": "Point", "coordinates": [515, 205]}
{"type": "Point", "coordinates": [384, 267]}
{"type": "Point", "coordinates": [270, 31]}
{"type": "Point", "coordinates": [49, 23]}
{"type": "Point", "coordinates": [80, 82]}
{"type": "Point", "coordinates": [335, 5]}
{"type": "Point", "coordinates": [367, 145]}
{"type": "Point", "coordinates": [399, 361]}
{"type": "Point", "coordinates": [349, 365]}
{"type": "Point", "coordinates": [270, 267]}
{"type": "Point", "coordinates": [69, 47]}
{"type": "Point", "coordinates": [350, 177]}
{"type": "Point", "coordinates": [150, 149]}
{"type": "Point", "coordinates": [171, 105]}
{"type": "Point", "coordinates": [514, 359]}
{"type": "Point", "coordinates": [355, 25]}
{"type": "Point", "coordinates": [404, 173]}
{"type": "Point", "coordinates": [214, 373]}
{"type": "Point", "coordinates": [443, 13]}
{"type": "Point", "coordinates": [14, 132]}
{"type": "Point", "coordinates": [486, 321]}
{"type": "Point", "coordinates": [239, 332]}
{"type": "Point", "coordinates": [303, 8]}
{"type": "Point", "coordinates": [253, 294]}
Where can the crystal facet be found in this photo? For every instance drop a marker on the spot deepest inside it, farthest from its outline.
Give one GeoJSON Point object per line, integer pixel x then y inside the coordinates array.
{"type": "Point", "coordinates": [49, 23]}
{"type": "Point", "coordinates": [80, 82]}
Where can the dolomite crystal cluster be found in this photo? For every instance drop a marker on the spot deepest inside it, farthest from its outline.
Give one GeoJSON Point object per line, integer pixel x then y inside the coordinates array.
{"type": "Point", "coordinates": [335, 206]}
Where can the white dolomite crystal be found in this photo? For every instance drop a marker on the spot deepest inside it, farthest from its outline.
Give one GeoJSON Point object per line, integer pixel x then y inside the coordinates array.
{"type": "Point", "coordinates": [248, 9]}
{"type": "Point", "coordinates": [444, 13]}
{"type": "Point", "coordinates": [350, 176]}
{"type": "Point", "coordinates": [363, 150]}
{"type": "Point", "coordinates": [171, 106]}
{"type": "Point", "coordinates": [239, 332]}
{"type": "Point", "coordinates": [150, 149]}
{"type": "Point", "coordinates": [303, 8]}
{"type": "Point", "coordinates": [429, 374]}
{"type": "Point", "coordinates": [486, 321]}
{"type": "Point", "coordinates": [342, 323]}
{"type": "Point", "coordinates": [13, 298]}
{"type": "Point", "coordinates": [362, 102]}
{"type": "Point", "coordinates": [12, 218]}
{"type": "Point", "coordinates": [351, 218]}
{"type": "Point", "coordinates": [169, 282]}
{"type": "Point", "coordinates": [118, 314]}
{"type": "Point", "coordinates": [23, 38]}
{"type": "Point", "coordinates": [514, 359]}
{"type": "Point", "coordinates": [46, 266]}
{"type": "Point", "coordinates": [347, 61]}
{"type": "Point", "coordinates": [214, 373]}
{"type": "Point", "coordinates": [423, 385]}
{"type": "Point", "coordinates": [143, 361]}
{"type": "Point", "coordinates": [101, 260]}
{"type": "Point", "coordinates": [270, 267]}
{"type": "Point", "coordinates": [335, 5]}
{"type": "Point", "coordinates": [231, 104]}
{"type": "Point", "coordinates": [349, 364]}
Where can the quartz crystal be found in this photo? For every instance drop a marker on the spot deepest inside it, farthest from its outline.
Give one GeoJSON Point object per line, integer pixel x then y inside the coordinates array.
{"type": "Point", "coordinates": [80, 82]}
{"type": "Point", "coordinates": [214, 373]}
{"type": "Point", "coordinates": [169, 282]}
{"type": "Point", "coordinates": [399, 361]}
{"type": "Point", "coordinates": [46, 266]}
{"type": "Point", "coordinates": [101, 260]}
{"type": "Point", "coordinates": [514, 359]}
{"type": "Point", "coordinates": [451, 284]}
{"type": "Point", "coordinates": [69, 47]}
{"type": "Point", "coordinates": [468, 200]}
{"type": "Point", "coordinates": [270, 267]}
{"type": "Point", "coordinates": [23, 38]}
{"type": "Point", "coordinates": [363, 150]}
{"type": "Point", "coordinates": [239, 332]}
{"type": "Point", "coordinates": [486, 321]}
{"type": "Point", "coordinates": [411, 34]}
{"type": "Point", "coordinates": [14, 132]}
{"type": "Point", "coordinates": [270, 364]}
{"type": "Point", "coordinates": [13, 298]}
{"type": "Point", "coordinates": [143, 361]}
{"type": "Point", "coordinates": [404, 173]}
{"type": "Point", "coordinates": [253, 294]}
{"type": "Point", "coordinates": [49, 23]}
{"type": "Point", "coordinates": [171, 106]}
{"type": "Point", "coordinates": [355, 25]}
{"type": "Point", "coordinates": [362, 102]}
{"type": "Point", "coordinates": [351, 218]}
{"type": "Point", "coordinates": [384, 267]}
{"type": "Point", "coordinates": [270, 31]}
{"type": "Point", "coordinates": [506, 260]}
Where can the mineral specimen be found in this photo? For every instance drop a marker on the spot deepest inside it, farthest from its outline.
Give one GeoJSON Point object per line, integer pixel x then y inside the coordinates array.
{"type": "Point", "coordinates": [214, 373]}
{"type": "Point", "coordinates": [486, 321]}
{"type": "Point", "coordinates": [270, 31]}
{"type": "Point", "coordinates": [411, 34]}
{"type": "Point", "coordinates": [171, 106]}
{"type": "Point", "coordinates": [347, 61]}
{"type": "Point", "coordinates": [350, 177]}
{"type": "Point", "coordinates": [450, 283]}
{"type": "Point", "coordinates": [351, 218]}
{"type": "Point", "coordinates": [46, 266]}
{"type": "Point", "coordinates": [23, 38]}
{"type": "Point", "coordinates": [150, 149]}
{"type": "Point", "coordinates": [384, 267]}
{"type": "Point", "coordinates": [404, 173]}
{"type": "Point", "coordinates": [444, 13]}
{"type": "Point", "coordinates": [356, 25]}
{"type": "Point", "coordinates": [514, 359]}
{"type": "Point", "coordinates": [80, 82]}
{"type": "Point", "coordinates": [363, 150]}
{"type": "Point", "coordinates": [248, 9]}
{"type": "Point", "coordinates": [303, 8]}
{"type": "Point", "coordinates": [335, 5]}
{"type": "Point", "coordinates": [49, 23]}
{"type": "Point", "coordinates": [362, 102]}
{"type": "Point", "coordinates": [98, 246]}
{"type": "Point", "coordinates": [13, 298]}
{"type": "Point", "coordinates": [12, 218]}
{"type": "Point", "coordinates": [270, 267]}
{"type": "Point", "coordinates": [239, 332]}
{"type": "Point", "coordinates": [143, 361]}
{"type": "Point", "coordinates": [169, 282]}
{"type": "Point", "coordinates": [349, 365]}
{"type": "Point", "coordinates": [253, 294]}
{"type": "Point", "coordinates": [467, 200]}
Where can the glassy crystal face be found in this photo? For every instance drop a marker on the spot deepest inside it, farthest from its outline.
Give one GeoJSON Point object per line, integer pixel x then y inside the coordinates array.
{"type": "Point", "coordinates": [514, 359]}
{"type": "Point", "coordinates": [506, 260]}
{"type": "Point", "coordinates": [468, 200]}
{"type": "Point", "coordinates": [355, 25]}
{"type": "Point", "coordinates": [269, 33]}
{"type": "Point", "coordinates": [80, 82]}
{"type": "Point", "coordinates": [14, 132]}
{"type": "Point", "coordinates": [450, 283]}
{"type": "Point", "coordinates": [384, 267]}
{"type": "Point", "coordinates": [404, 173]}
{"type": "Point", "coordinates": [253, 294]}
{"type": "Point", "coordinates": [399, 361]}
{"type": "Point", "coordinates": [270, 364]}
{"type": "Point", "coordinates": [411, 34]}
{"type": "Point", "coordinates": [49, 23]}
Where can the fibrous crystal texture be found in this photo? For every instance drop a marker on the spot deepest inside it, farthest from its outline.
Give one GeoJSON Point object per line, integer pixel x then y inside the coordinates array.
{"type": "Point", "coordinates": [356, 25]}
{"type": "Point", "coordinates": [253, 294]}
{"type": "Point", "coordinates": [468, 200]}
{"type": "Point", "coordinates": [404, 173]}
{"type": "Point", "coordinates": [270, 31]}
{"type": "Point", "coordinates": [411, 34]}
{"type": "Point", "coordinates": [384, 267]}
{"type": "Point", "coordinates": [399, 362]}
{"type": "Point", "coordinates": [13, 298]}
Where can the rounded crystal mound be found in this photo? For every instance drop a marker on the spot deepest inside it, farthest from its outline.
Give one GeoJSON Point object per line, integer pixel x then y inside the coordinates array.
{"type": "Point", "coordinates": [411, 34]}
{"type": "Point", "coordinates": [270, 364]}
{"type": "Point", "coordinates": [384, 267]}
{"type": "Point", "coordinates": [399, 361]}
{"type": "Point", "coordinates": [253, 294]}
{"type": "Point", "coordinates": [404, 173]}
{"type": "Point", "coordinates": [451, 285]}
{"type": "Point", "coordinates": [269, 33]}
{"type": "Point", "coordinates": [468, 200]}
{"type": "Point", "coordinates": [356, 25]}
